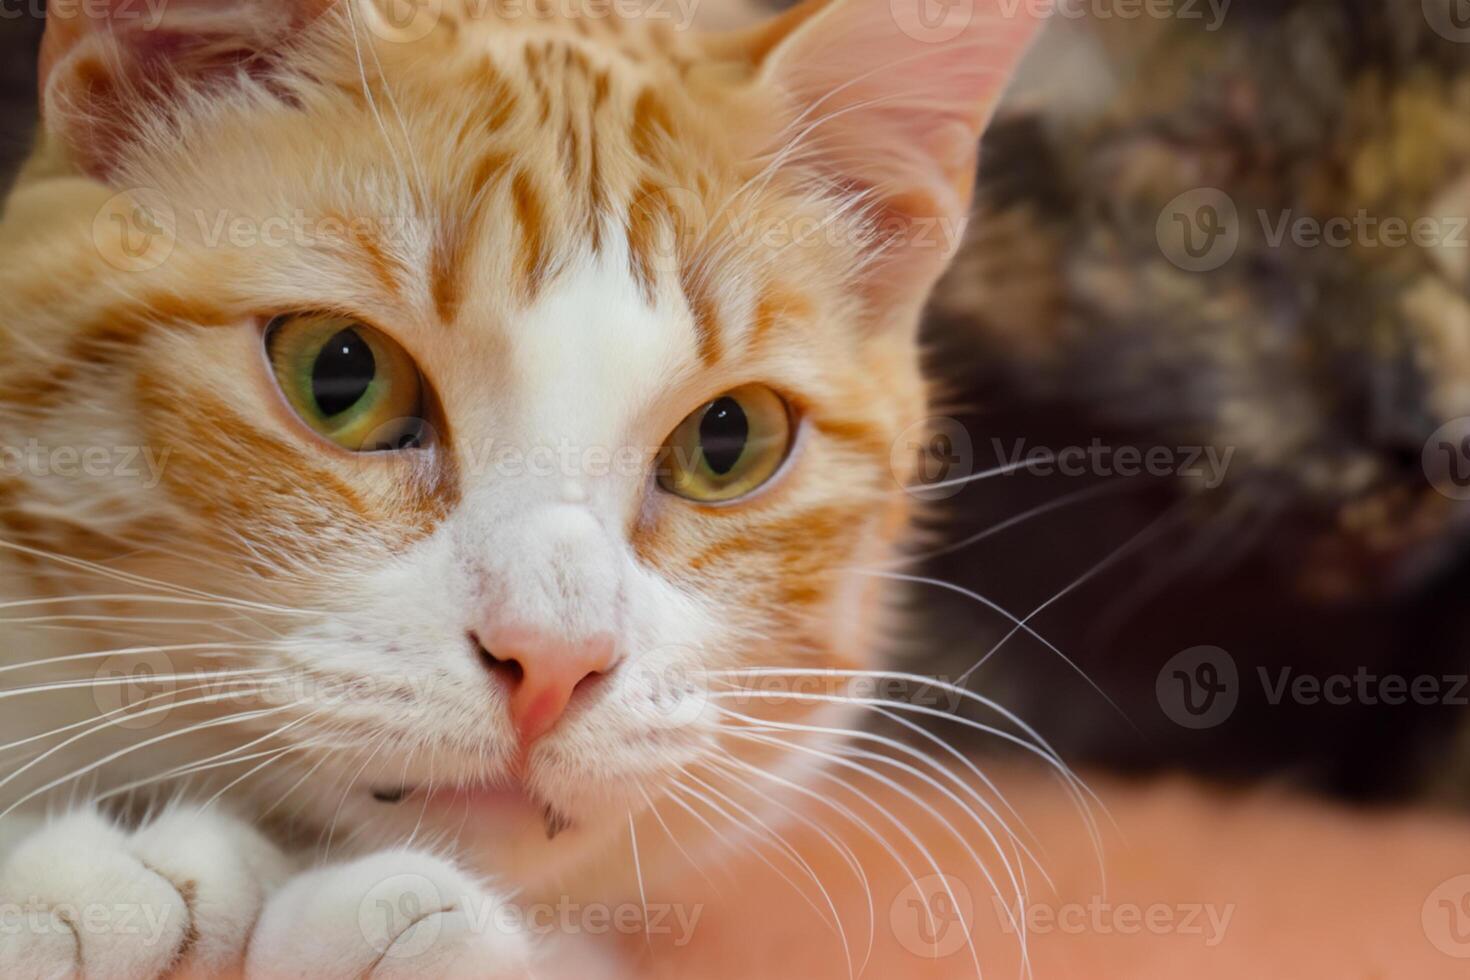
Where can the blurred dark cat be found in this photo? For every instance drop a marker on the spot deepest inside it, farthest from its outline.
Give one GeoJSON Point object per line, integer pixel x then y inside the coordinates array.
{"type": "Point", "coordinates": [1245, 233]}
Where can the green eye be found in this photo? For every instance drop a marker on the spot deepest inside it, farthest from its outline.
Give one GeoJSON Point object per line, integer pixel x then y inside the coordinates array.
{"type": "Point", "coordinates": [349, 382]}
{"type": "Point", "coordinates": [729, 447]}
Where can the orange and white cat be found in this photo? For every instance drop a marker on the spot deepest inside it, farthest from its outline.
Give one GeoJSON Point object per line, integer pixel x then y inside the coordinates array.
{"type": "Point", "coordinates": [422, 425]}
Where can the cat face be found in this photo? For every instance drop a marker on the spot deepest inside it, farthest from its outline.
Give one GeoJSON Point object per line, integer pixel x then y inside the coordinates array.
{"type": "Point", "coordinates": [528, 374]}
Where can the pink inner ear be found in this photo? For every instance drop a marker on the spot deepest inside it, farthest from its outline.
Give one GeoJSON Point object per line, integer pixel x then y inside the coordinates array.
{"type": "Point", "coordinates": [100, 74]}
{"type": "Point", "coordinates": [897, 93]}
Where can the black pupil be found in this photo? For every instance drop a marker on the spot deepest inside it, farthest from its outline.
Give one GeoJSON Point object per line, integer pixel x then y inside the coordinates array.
{"type": "Point", "coordinates": [342, 372]}
{"type": "Point", "coordinates": [722, 435]}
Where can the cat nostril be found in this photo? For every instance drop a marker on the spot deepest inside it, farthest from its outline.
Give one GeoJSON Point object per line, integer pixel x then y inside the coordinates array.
{"type": "Point", "coordinates": [542, 672]}
{"type": "Point", "coordinates": [508, 670]}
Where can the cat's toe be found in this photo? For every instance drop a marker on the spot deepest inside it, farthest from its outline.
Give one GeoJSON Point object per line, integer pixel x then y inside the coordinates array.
{"type": "Point", "coordinates": [84, 898]}
{"type": "Point", "coordinates": [395, 914]}
{"type": "Point", "coordinates": [223, 869]}
{"type": "Point", "coordinates": [77, 903]}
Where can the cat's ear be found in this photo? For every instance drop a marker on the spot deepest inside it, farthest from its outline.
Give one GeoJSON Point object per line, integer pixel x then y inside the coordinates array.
{"type": "Point", "coordinates": [107, 65]}
{"type": "Point", "coordinates": [892, 97]}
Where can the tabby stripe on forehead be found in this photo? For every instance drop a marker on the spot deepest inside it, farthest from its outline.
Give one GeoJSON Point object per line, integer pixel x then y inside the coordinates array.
{"type": "Point", "coordinates": [701, 301]}
{"type": "Point", "coordinates": [531, 216]}
{"type": "Point", "coordinates": [597, 192]}
{"type": "Point", "coordinates": [652, 129]}
{"type": "Point", "coordinates": [534, 61]}
{"type": "Point", "coordinates": [456, 237]}
{"type": "Point", "coordinates": [445, 265]}
{"type": "Point", "coordinates": [777, 304]}
{"type": "Point", "coordinates": [500, 99]}
{"type": "Point", "coordinates": [578, 75]}
{"type": "Point", "coordinates": [384, 269]}
{"type": "Point", "coordinates": [643, 230]}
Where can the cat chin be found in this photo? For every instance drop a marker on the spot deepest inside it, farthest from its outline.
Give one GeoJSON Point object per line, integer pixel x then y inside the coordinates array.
{"type": "Point", "coordinates": [501, 830]}
{"type": "Point", "coordinates": [518, 842]}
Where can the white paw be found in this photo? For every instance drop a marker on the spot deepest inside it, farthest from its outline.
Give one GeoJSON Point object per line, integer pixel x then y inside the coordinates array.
{"type": "Point", "coordinates": [394, 914]}
{"type": "Point", "coordinates": [82, 897]}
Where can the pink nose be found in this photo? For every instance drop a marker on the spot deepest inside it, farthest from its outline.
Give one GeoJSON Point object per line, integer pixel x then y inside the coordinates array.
{"type": "Point", "coordinates": [542, 672]}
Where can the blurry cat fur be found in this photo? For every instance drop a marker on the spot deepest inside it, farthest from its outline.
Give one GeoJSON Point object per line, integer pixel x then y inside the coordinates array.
{"type": "Point", "coordinates": [1324, 367]}
{"type": "Point", "coordinates": [1330, 367]}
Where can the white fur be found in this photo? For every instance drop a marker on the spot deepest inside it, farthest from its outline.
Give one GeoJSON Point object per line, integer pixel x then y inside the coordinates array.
{"type": "Point", "coordinates": [184, 890]}
{"type": "Point", "coordinates": [397, 913]}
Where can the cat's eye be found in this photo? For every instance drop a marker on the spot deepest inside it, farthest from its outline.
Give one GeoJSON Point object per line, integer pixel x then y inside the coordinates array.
{"type": "Point", "coordinates": [729, 447]}
{"type": "Point", "coordinates": [352, 384]}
